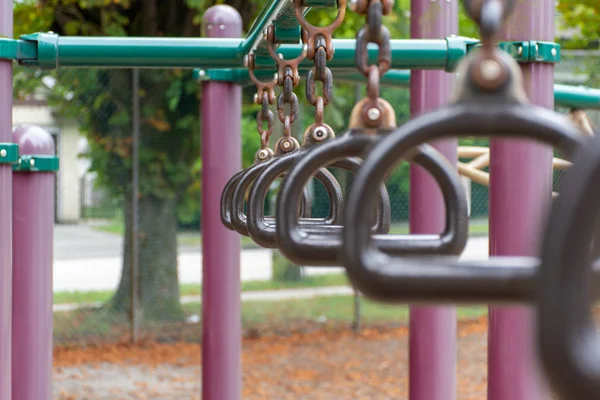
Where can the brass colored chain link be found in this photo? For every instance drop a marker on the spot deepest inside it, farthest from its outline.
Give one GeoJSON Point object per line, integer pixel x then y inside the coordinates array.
{"type": "Point", "coordinates": [490, 15]}
{"type": "Point", "coordinates": [325, 33]}
{"type": "Point", "coordinates": [373, 32]}
{"type": "Point", "coordinates": [265, 97]}
{"type": "Point", "coordinates": [288, 78]}
{"type": "Point", "coordinates": [320, 50]}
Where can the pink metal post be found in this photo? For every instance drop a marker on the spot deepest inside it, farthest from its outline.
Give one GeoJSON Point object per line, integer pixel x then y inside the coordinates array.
{"type": "Point", "coordinates": [520, 191]}
{"type": "Point", "coordinates": [33, 224]}
{"type": "Point", "coordinates": [221, 157]}
{"type": "Point", "coordinates": [6, 29]}
{"type": "Point", "coordinates": [432, 329]}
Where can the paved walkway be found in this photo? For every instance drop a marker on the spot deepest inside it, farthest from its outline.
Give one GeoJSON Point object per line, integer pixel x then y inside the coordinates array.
{"type": "Point", "coordinates": [86, 259]}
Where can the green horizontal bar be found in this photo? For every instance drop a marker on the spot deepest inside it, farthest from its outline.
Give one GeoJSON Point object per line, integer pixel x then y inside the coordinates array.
{"type": "Point", "coordinates": [11, 49]}
{"type": "Point", "coordinates": [577, 97]}
{"type": "Point", "coordinates": [241, 76]}
{"type": "Point", "coordinates": [564, 95]}
{"type": "Point", "coordinates": [36, 163]}
{"type": "Point", "coordinates": [127, 52]}
{"type": "Point", "coordinates": [531, 51]}
{"type": "Point", "coordinates": [393, 78]}
{"type": "Point", "coordinates": [406, 54]}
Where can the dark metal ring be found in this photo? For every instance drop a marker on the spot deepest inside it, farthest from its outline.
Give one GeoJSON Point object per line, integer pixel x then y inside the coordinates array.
{"type": "Point", "coordinates": [568, 340]}
{"type": "Point", "coordinates": [235, 206]}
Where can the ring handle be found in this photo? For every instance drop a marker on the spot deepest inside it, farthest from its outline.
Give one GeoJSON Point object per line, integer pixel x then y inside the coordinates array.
{"type": "Point", "coordinates": [392, 279]}
{"type": "Point", "coordinates": [569, 345]}
{"type": "Point", "coordinates": [227, 199]}
{"type": "Point", "coordinates": [323, 248]}
{"type": "Point", "coordinates": [263, 232]}
{"type": "Point", "coordinates": [238, 198]}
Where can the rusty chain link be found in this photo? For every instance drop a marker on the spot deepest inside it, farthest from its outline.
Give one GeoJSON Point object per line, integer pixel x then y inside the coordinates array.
{"type": "Point", "coordinates": [373, 32]}
{"type": "Point", "coordinates": [490, 15]}
{"type": "Point", "coordinates": [288, 77]}
{"type": "Point", "coordinates": [265, 97]}
{"type": "Point", "coordinates": [320, 49]}
{"type": "Point", "coordinates": [314, 32]}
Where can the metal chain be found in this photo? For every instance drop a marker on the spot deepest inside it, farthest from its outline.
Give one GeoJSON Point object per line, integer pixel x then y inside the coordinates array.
{"type": "Point", "coordinates": [373, 32]}
{"type": "Point", "coordinates": [265, 97]}
{"type": "Point", "coordinates": [319, 50]}
{"type": "Point", "coordinates": [288, 78]}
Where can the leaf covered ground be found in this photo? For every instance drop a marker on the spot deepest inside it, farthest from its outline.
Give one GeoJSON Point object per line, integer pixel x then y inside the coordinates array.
{"type": "Point", "coordinates": [324, 362]}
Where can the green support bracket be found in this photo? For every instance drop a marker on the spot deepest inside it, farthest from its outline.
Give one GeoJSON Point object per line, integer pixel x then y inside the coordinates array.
{"type": "Point", "coordinates": [36, 163]}
{"type": "Point", "coordinates": [9, 153]}
{"type": "Point", "coordinates": [280, 13]}
{"type": "Point", "coordinates": [17, 50]}
{"type": "Point", "coordinates": [544, 52]}
{"type": "Point", "coordinates": [47, 50]}
{"type": "Point", "coordinates": [531, 51]}
{"type": "Point", "coordinates": [286, 34]}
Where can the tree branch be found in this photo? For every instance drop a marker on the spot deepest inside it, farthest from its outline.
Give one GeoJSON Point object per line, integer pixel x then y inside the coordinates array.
{"type": "Point", "coordinates": [150, 18]}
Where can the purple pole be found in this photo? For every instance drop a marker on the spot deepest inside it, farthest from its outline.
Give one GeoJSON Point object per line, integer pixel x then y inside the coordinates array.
{"type": "Point", "coordinates": [221, 158]}
{"type": "Point", "coordinates": [520, 191]}
{"type": "Point", "coordinates": [6, 29]}
{"type": "Point", "coordinates": [33, 225]}
{"type": "Point", "coordinates": [432, 336]}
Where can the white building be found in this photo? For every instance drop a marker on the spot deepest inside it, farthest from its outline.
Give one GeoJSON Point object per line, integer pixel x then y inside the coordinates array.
{"type": "Point", "coordinates": [69, 146]}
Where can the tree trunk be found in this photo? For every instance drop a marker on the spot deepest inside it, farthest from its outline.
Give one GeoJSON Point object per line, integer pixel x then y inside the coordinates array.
{"type": "Point", "coordinates": [158, 278]}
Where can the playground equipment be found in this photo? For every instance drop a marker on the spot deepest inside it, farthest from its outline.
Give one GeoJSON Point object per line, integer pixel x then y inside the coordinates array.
{"type": "Point", "coordinates": [418, 267]}
{"type": "Point", "coordinates": [319, 49]}
{"type": "Point", "coordinates": [481, 159]}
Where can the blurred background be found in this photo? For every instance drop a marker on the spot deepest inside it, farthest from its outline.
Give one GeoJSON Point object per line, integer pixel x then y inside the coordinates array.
{"type": "Point", "coordinates": [90, 114]}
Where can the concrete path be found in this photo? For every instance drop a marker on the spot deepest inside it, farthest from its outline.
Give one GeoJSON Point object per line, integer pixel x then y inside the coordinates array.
{"type": "Point", "coordinates": [86, 259]}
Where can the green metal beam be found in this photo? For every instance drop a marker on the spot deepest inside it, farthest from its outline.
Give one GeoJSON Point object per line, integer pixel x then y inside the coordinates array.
{"type": "Point", "coordinates": [393, 78]}
{"type": "Point", "coordinates": [577, 97]}
{"type": "Point", "coordinates": [11, 49]}
{"type": "Point", "coordinates": [564, 95]}
{"type": "Point", "coordinates": [126, 52]}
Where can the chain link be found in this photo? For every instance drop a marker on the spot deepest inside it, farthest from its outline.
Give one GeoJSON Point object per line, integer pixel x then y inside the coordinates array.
{"type": "Point", "coordinates": [373, 32]}
{"type": "Point", "coordinates": [319, 73]}
{"type": "Point", "coordinates": [288, 78]}
{"type": "Point", "coordinates": [265, 97]}
{"type": "Point", "coordinates": [319, 50]}
{"type": "Point", "coordinates": [489, 71]}
{"type": "Point", "coordinates": [314, 34]}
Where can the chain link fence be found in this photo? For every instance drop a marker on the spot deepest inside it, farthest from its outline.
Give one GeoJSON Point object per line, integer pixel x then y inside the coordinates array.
{"type": "Point", "coordinates": [93, 273]}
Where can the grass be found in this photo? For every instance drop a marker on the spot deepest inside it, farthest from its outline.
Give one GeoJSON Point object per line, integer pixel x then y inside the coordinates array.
{"type": "Point", "coordinates": [191, 289]}
{"type": "Point", "coordinates": [100, 325]}
{"type": "Point", "coordinates": [332, 308]}
{"type": "Point", "coordinates": [477, 227]}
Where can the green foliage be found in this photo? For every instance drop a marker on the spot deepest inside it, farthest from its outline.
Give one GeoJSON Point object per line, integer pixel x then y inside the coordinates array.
{"type": "Point", "coordinates": [583, 15]}
{"type": "Point", "coordinates": [100, 100]}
